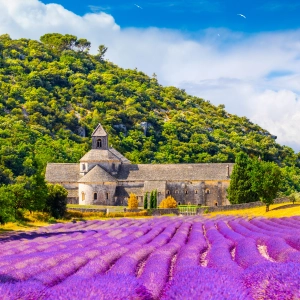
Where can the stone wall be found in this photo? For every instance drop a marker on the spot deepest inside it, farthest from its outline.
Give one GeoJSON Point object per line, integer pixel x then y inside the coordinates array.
{"type": "Point", "coordinates": [208, 192]}
{"type": "Point", "coordinates": [202, 210]}
{"type": "Point", "coordinates": [95, 194]}
{"type": "Point", "coordinates": [89, 209]}
{"type": "Point", "coordinates": [163, 211]}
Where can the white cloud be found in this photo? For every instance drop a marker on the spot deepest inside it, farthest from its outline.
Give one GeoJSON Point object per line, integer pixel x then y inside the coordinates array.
{"type": "Point", "coordinates": [256, 76]}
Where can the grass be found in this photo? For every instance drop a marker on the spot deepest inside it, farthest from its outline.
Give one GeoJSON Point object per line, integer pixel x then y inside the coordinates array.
{"type": "Point", "coordinates": [111, 208]}
{"type": "Point", "coordinates": [32, 221]}
{"type": "Point", "coordinates": [276, 211]}
{"type": "Point", "coordinates": [38, 219]}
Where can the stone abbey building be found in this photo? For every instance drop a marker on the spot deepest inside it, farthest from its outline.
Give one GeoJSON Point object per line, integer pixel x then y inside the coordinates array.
{"type": "Point", "coordinates": [105, 177]}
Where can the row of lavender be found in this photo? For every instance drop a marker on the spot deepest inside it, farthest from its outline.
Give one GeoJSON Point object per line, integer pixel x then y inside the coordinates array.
{"type": "Point", "coordinates": [161, 258]}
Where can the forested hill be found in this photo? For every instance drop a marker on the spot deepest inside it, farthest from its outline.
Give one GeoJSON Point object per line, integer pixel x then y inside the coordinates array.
{"type": "Point", "coordinates": [53, 91]}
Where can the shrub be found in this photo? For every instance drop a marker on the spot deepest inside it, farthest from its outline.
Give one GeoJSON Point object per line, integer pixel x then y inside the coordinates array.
{"type": "Point", "coordinates": [168, 202]}
{"type": "Point", "coordinates": [133, 202]}
{"type": "Point", "coordinates": [51, 220]}
{"type": "Point", "coordinates": [56, 202]}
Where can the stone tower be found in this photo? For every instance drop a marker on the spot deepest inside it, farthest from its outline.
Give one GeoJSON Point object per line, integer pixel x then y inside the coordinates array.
{"type": "Point", "coordinates": [100, 138]}
{"type": "Point", "coordinates": [100, 154]}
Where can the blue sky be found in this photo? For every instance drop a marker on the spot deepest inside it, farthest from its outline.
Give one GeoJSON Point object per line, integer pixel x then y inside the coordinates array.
{"type": "Point", "coordinates": [194, 15]}
{"type": "Point", "coordinates": [252, 64]}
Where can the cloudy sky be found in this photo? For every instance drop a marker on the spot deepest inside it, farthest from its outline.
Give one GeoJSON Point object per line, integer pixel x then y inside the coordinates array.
{"type": "Point", "coordinates": [244, 54]}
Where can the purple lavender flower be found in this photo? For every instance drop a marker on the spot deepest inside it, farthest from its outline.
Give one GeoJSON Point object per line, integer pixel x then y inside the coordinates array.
{"type": "Point", "coordinates": [106, 287]}
{"type": "Point", "coordinates": [273, 281]}
{"type": "Point", "coordinates": [205, 284]}
{"type": "Point", "coordinates": [29, 290]}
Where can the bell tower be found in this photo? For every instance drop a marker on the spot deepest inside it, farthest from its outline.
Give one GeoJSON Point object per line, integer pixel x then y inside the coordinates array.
{"type": "Point", "coordinates": [99, 138]}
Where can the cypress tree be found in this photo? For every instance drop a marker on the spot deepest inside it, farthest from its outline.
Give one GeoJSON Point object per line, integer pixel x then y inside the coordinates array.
{"type": "Point", "coordinates": [240, 188]}
{"type": "Point", "coordinates": [146, 201]}
{"type": "Point", "coordinates": [155, 199]}
{"type": "Point", "coordinates": [152, 200]}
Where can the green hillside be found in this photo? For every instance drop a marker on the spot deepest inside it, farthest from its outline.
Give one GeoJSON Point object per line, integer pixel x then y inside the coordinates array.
{"type": "Point", "coordinates": [52, 92]}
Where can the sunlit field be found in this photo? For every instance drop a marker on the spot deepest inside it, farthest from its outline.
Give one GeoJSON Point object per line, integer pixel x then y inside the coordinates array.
{"type": "Point", "coordinates": [224, 257]}
{"type": "Point", "coordinates": [276, 211]}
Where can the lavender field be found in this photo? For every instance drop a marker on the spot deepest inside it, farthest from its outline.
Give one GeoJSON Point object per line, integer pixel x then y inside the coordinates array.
{"type": "Point", "coordinates": [160, 258]}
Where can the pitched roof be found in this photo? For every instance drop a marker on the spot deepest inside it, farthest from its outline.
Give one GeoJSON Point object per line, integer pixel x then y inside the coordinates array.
{"type": "Point", "coordinates": [62, 172]}
{"type": "Point", "coordinates": [176, 172]}
{"type": "Point", "coordinates": [99, 131]}
{"type": "Point", "coordinates": [123, 159]}
{"type": "Point", "coordinates": [98, 155]}
{"type": "Point", "coordinates": [97, 175]}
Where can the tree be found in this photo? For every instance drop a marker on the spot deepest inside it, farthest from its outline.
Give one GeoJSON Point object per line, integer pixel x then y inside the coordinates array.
{"type": "Point", "coordinates": [155, 199]}
{"type": "Point", "coordinates": [7, 211]}
{"type": "Point", "coordinates": [101, 52]}
{"type": "Point", "coordinates": [292, 198]}
{"type": "Point", "coordinates": [59, 42]}
{"type": "Point", "coordinates": [168, 202]}
{"type": "Point", "coordinates": [240, 188]}
{"type": "Point", "coordinates": [152, 199]}
{"type": "Point", "coordinates": [146, 201]}
{"type": "Point", "coordinates": [266, 178]}
{"type": "Point", "coordinates": [83, 45]}
{"type": "Point", "coordinates": [56, 203]}
{"type": "Point", "coordinates": [5, 175]}
{"type": "Point", "coordinates": [133, 202]}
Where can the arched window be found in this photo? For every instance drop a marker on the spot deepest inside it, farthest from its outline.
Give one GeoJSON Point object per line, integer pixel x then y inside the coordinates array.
{"type": "Point", "coordinates": [168, 192]}
{"type": "Point", "coordinates": [196, 191]}
{"type": "Point", "coordinates": [216, 204]}
{"type": "Point", "coordinates": [107, 196]}
{"type": "Point", "coordinates": [82, 196]}
{"type": "Point", "coordinates": [186, 192]}
{"type": "Point", "coordinates": [207, 191]}
{"type": "Point", "coordinates": [99, 143]}
{"type": "Point", "coordinates": [95, 196]}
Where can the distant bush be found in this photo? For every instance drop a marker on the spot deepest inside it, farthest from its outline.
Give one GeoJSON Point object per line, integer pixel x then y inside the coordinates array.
{"type": "Point", "coordinates": [168, 202]}
{"type": "Point", "coordinates": [133, 202]}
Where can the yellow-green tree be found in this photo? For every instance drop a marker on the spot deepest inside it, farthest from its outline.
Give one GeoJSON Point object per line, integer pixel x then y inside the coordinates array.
{"type": "Point", "coordinates": [133, 202]}
{"type": "Point", "coordinates": [168, 202]}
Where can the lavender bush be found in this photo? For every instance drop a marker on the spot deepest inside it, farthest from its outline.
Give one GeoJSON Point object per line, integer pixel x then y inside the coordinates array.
{"type": "Point", "coordinates": [225, 257]}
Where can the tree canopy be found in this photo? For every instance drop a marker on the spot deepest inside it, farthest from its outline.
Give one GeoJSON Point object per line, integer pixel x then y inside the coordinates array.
{"type": "Point", "coordinates": [253, 180]}
{"type": "Point", "coordinates": [53, 93]}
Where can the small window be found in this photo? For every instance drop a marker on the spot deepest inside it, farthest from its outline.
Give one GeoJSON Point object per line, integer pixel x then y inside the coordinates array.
{"type": "Point", "coordinates": [95, 196]}
{"type": "Point", "coordinates": [168, 192]}
{"type": "Point", "coordinates": [99, 143]}
{"type": "Point", "coordinates": [113, 166]}
{"type": "Point", "coordinates": [186, 192]}
{"type": "Point", "coordinates": [83, 167]}
{"type": "Point", "coordinates": [207, 191]}
{"type": "Point", "coordinates": [196, 191]}
{"type": "Point", "coordinates": [82, 196]}
{"type": "Point", "coordinates": [216, 204]}
{"type": "Point", "coordinates": [176, 192]}
{"type": "Point", "coordinates": [106, 196]}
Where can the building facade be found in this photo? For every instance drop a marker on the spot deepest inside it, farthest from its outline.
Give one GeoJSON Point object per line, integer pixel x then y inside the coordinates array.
{"type": "Point", "coordinates": [105, 177]}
